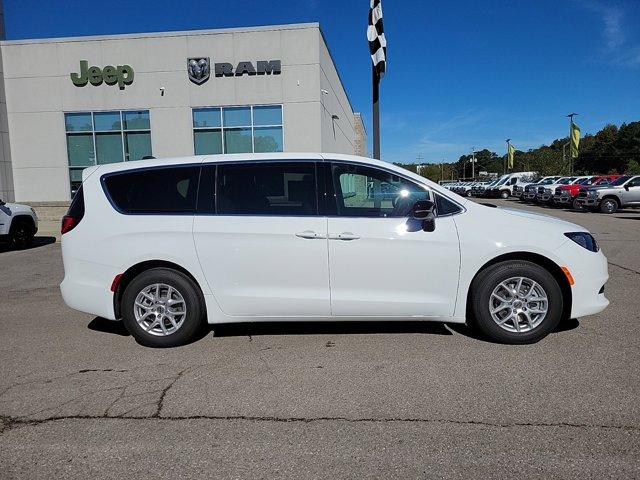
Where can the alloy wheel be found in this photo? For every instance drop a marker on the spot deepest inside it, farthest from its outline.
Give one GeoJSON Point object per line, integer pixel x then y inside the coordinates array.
{"type": "Point", "coordinates": [160, 309]}
{"type": "Point", "coordinates": [518, 304]}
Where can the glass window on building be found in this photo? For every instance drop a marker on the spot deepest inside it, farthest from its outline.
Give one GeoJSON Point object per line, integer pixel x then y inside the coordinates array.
{"type": "Point", "coordinates": [97, 138]}
{"type": "Point", "coordinates": [247, 129]}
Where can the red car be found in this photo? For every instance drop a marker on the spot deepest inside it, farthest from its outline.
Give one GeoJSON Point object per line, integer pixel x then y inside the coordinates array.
{"type": "Point", "coordinates": [566, 194]}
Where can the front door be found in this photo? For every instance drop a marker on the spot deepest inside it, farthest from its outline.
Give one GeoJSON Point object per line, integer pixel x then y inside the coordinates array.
{"type": "Point", "coordinates": [381, 263]}
{"type": "Point", "coordinates": [260, 241]}
{"type": "Point", "coordinates": [631, 194]}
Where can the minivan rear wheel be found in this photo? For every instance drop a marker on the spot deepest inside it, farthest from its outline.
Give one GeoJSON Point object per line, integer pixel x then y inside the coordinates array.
{"type": "Point", "coordinates": [162, 308]}
{"type": "Point", "coordinates": [516, 302]}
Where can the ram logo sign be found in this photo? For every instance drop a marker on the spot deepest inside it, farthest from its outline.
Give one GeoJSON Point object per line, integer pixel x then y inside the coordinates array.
{"type": "Point", "coordinates": [198, 69]}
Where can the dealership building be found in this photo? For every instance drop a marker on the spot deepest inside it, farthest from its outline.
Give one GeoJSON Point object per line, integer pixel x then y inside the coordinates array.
{"type": "Point", "coordinates": [69, 103]}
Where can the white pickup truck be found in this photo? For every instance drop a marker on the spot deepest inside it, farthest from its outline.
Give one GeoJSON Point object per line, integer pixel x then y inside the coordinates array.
{"type": "Point", "coordinates": [18, 224]}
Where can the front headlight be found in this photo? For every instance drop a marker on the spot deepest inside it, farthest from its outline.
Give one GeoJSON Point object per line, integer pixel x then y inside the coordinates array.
{"type": "Point", "coordinates": [592, 193]}
{"type": "Point", "coordinates": [584, 239]}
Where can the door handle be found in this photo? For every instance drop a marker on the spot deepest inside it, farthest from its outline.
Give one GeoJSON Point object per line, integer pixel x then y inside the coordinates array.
{"type": "Point", "coordinates": [344, 236]}
{"type": "Point", "coordinates": [310, 234]}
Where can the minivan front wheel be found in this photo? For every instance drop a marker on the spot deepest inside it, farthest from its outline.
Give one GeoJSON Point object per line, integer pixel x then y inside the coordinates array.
{"type": "Point", "coordinates": [504, 194]}
{"type": "Point", "coordinates": [162, 308]}
{"type": "Point", "coordinates": [516, 302]}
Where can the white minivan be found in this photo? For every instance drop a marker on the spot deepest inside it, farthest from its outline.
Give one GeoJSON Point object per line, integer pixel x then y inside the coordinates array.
{"type": "Point", "coordinates": [168, 245]}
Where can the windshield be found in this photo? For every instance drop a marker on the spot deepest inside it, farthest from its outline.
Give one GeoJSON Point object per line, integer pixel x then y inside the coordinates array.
{"type": "Point", "coordinates": [501, 182]}
{"type": "Point", "coordinates": [621, 180]}
{"type": "Point", "coordinates": [548, 181]}
{"type": "Point", "coordinates": [566, 180]}
{"type": "Point", "coordinates": [585, 181]}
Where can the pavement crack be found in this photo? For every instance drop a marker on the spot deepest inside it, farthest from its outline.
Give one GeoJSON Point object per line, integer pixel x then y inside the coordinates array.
{"type": "Point", "coordinates": [625, 268]}
{"type": "Point", "coordinates": [8, 423]}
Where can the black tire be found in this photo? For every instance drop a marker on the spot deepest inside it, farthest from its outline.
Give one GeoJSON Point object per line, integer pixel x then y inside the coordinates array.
{"type": "Point", "coordinates": [21, 235]}
{"type": "Point", "coordinates": [609, 205]}
{"type": "Point", "coordinates": [504, 194]}
{"type": "Point", "coordinates": [577, 206]}
{"type": "Point", "coordinates": [187, 288]}
{"type": "Point", "coordinates": [482, 289]}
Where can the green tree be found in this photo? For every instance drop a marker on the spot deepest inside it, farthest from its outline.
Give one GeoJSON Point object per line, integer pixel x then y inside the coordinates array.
{"type": "Point", "coordinates": [633, 167]}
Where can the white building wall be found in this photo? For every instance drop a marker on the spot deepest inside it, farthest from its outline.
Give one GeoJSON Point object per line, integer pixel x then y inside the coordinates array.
{"type": "Point", "coordinates": [39, 91]}
{"type": "Point", "coordinates": [6, 170]}
{"type": "Point", "coordinates": [338, 134]}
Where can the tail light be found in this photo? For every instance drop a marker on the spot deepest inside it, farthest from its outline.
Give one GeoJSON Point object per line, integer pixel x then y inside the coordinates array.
{"type": "Point", "coordinates": [75, 213]}
{"type": "Point", "coordinates": [68, 223]}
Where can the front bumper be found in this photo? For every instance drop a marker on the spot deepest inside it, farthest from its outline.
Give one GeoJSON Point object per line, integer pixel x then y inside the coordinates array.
{"type": "Point", "coordinates": [562, 199]}
{"type": "Point", "coordinates": [588, 202]}
{"type": "Point", "coordinates": [590, 273]}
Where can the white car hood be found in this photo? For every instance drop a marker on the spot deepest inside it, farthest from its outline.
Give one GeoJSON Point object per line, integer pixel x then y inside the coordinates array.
{"type": "Point", "coordinates": [542, 218]}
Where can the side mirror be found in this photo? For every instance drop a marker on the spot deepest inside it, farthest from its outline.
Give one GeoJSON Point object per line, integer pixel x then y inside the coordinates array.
{"type": "Point", "coordinates": [424, 211]}
{"type": "Point", "coordinates": [2, 202]}
{"type": "Point", "coordinates": [626, 187]}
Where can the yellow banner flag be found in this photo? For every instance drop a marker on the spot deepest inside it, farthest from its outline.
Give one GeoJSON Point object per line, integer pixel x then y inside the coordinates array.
{"type": "Point", "coordinates": [575, 139]}
{"type": "Point", "coordinates": [510, 154]}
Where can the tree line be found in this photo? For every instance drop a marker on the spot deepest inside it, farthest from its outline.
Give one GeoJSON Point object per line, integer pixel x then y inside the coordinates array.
{"type": "Point", "coordinates": [612, 150]}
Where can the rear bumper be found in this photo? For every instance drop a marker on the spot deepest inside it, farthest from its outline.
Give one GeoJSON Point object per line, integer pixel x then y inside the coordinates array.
{"type": "Point", "coordinates": [87, 287]}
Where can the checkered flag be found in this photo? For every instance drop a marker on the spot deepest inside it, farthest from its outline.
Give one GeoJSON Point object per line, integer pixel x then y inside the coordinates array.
{"type": "Point", "coordinates": [375, 35]}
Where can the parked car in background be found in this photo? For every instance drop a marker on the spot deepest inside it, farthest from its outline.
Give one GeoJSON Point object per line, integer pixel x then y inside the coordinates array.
{"type": "Point", "coordinates": [567, 195]}
{"type": "Point", "coordinates": [530, 189]}
{"type": "Point", "coordinates": [485, 190]}
{"type": "Point", "coordinates": [504, 188]}
{"type": "Point", "coordinates": [544, 193]}
{"type": "Point", "coordinates": [623, 192]}
{"type": "Point", "coordinates": [18, 224]}
{"type": "Point", "coordinates": [167, 245]}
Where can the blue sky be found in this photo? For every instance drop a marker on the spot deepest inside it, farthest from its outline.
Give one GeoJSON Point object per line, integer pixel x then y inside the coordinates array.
{"type": "Point", "coordinates": [460, 74]}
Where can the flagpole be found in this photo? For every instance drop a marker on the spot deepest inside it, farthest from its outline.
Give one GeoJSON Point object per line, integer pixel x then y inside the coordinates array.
{"type": "Point", "coordinates": [376, 112]}
{"type": "Point", "coordinates": [571, 115]}
{"type": "Point", "coordinates": [508, 140]}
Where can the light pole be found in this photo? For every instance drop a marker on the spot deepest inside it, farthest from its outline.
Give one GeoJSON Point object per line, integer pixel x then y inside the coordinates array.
{"type": "Point", "coordinates": [570, 117]}
{"type": "Point", "coordinates": [473, 163]}
{"type": "Point", "coordinates": [508, 140]}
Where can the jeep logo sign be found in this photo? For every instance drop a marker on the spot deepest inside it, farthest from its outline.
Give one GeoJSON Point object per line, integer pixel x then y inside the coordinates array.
{"type": "Point", "coordinates": [122, 75]}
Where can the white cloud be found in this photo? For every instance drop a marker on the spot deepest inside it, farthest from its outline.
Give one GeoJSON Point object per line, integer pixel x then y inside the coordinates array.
{"type": "Point", "coordinates": [618, 49]}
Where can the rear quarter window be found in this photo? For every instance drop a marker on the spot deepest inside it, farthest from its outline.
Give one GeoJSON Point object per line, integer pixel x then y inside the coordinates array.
{"type": "Point", "coordinates": [163, 190]}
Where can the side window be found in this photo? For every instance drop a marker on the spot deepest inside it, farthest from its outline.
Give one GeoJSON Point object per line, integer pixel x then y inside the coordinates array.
{"type": "Point", "coordinates": [368, 192]}
{"type": "Point", "coordinates": [445, 206]}
{"type": "Point", "coordinates": [514, 181]}
{"type": "Point", "coordinates": [634, 182]}
{"type": "Point", "coordinates": [162, 190]}
{"type": "Point", "coordinates": [286, 188]}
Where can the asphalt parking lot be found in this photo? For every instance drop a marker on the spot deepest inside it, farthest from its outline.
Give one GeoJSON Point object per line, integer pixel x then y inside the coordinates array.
{"type": "Point", "coordinates": [79, 398]}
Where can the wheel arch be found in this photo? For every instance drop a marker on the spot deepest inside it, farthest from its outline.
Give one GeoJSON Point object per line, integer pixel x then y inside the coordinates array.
{"type": "Point", "coordinates": [612, 196]}
{"type": "Point", "coordinates": [545, 262]}
{"type": "Point", "coordinates": [133, 271]}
